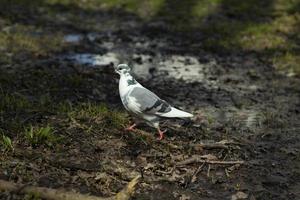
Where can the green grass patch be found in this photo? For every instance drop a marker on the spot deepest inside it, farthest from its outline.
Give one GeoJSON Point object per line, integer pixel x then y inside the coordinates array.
{"type": "Point", "coordinates": [40, 135]}
{"type": "Point", "coordinates": [99, 113]}
{"type": "Point", "coordinates": [205, 8]}
{"type": "Point", "coordinates": [271, 31]}
{"type": "Point", "coordinates": [64, 107]}
{"type": "Point", "coordinates": [20, 38]}
{"type": "Point", "coordinates": [7, 143]}
{"type": "Point", "coordinates": [13, 102]}
{"type": "Point", "coordinates": [144, 9]}
{"type": "Point", "coordinates": [288, 62]}
{"type": "Point", "coordinates": [272, 119]}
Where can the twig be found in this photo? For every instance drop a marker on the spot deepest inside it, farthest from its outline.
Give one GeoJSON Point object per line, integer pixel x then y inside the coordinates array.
{"type": "Point", "coordinates": [201, 160]}
{"type": "Point", "coordinates": [165, 172]}
{"type": "Point", "coordinates": [194, 177]}
{"type": "Point", "coordinates": [210, 146]}
{"type": "Point", "coordinates": [58, 194]}
{"type": "Point", "coordinates": [223, 144]}
{"type": "Point", "coordinates": [208, 171]}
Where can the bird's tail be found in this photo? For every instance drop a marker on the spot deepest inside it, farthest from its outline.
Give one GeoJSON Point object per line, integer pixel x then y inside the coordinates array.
{"type": "Point", "coordinates": [176, 113]}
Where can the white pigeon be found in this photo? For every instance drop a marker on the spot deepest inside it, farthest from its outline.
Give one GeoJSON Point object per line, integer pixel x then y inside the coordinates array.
{"type": "Point", "coordinates": [143, 104]}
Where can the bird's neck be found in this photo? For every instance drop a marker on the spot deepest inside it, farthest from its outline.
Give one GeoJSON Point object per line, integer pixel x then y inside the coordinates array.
{"type": "Point", "coordinates": [127, 79]}
{"type": "Point", "coordinates": [126, 83]}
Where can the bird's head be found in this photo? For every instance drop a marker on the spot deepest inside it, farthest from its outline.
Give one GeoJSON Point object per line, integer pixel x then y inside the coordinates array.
{"type": "Point", "coordinates": [122, 69]}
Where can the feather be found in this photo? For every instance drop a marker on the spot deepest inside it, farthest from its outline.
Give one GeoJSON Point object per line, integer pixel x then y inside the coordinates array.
{"type": "Point", "coordinates": [176, 113]}
{"type": "Point", "coordinates": [149, 102]}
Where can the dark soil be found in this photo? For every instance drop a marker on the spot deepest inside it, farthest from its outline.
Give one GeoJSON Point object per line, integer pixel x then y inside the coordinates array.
{"type": "Point", "coordinates": [239, 98]}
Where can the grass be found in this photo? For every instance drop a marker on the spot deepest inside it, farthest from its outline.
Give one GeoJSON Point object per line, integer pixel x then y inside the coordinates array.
{"type": "Point", "coordinates": [86, 116]}
{"type": "Point", "coordinates": [100, 114]}
{"type": "Point", "coordinates": [145, 9]}
{"type": "Point", "coordinates": [13, 102]}
{"type": "Point", "coordinates": [40, 135]}
{"type": "Point", "coordinates": [7, 143]}
{"type": "Point", "coordinates": [20, 38]}
{"type": "Point", "coordinates": [288, 62]}
{"type": "Point", "coordinates": [204, 8]}
{"type": "Point", "coordinates": [272, 119]}
{"type": "Point", "coordinates": [26, 101]}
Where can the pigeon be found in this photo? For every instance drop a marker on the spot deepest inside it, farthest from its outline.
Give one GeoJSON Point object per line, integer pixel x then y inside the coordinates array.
{"type": "Point", "coordinates": [144, 105]}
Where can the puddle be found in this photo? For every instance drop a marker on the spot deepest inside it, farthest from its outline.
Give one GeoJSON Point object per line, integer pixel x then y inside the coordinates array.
{"type": "Point", "coordinates": [186, 68]}
{"type": "Point", "coordinates": [73, 38]}
{"type": "Point", "coordinates": [245, 119]}
{"type": "Point", "coordinates": [108, 45]}
{"type": "Point", "coordinates": [142, 68]}
{"type": "Point", "coordinates": [92, 36]}
{"type": "Point", "coordinates": [94, 59]}
{"type": "Point", "coordinates": [76, 38]}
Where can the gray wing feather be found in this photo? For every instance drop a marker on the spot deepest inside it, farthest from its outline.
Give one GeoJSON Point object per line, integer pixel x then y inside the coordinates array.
{"type": "Point", "coordinates": [149, 102]}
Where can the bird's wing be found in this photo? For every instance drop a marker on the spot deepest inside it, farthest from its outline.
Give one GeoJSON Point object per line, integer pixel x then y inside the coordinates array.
{"type": "Point", "coordinates": [141, 100]}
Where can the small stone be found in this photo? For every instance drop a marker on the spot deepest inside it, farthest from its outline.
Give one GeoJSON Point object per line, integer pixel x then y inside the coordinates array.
{"type": "Point", "coordinates": [184, 197]}
{"type": "Point", "coordinates": [239, 195]}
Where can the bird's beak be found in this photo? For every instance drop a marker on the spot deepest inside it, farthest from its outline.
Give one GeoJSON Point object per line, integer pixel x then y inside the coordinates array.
{"type": "Point", "coordinates": [117, 72]}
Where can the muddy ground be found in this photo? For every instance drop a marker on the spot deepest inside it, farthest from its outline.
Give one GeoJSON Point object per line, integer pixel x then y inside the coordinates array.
{"type": "Point", "coordinates": [238, 99]}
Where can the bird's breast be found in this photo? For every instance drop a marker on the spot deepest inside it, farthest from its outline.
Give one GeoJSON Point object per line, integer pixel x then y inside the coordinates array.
{"type": "Point", "coordinates": [123, 87]}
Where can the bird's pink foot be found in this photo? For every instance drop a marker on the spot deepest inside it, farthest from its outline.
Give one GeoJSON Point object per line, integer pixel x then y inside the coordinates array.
{"type": "Point", "coordinates": [130, 128]}
{"type": "Point", "coordinates": [161, 134]}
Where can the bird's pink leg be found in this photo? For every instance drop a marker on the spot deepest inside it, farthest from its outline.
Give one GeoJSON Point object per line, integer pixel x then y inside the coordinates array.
{"type": "Point", "coordinates": [130, 128]}
{"type": "Point", "coordinates": [161, 133]}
